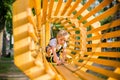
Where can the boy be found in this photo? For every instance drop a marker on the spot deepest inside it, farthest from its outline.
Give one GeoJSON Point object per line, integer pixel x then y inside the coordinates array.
{"type": "Point", "coordinates": [55, 47]}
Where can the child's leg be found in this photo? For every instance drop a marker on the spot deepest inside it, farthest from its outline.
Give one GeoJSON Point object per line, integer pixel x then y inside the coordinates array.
{"type": "Point", "coordinates": [49, 55]}
{"type": "Point", "coordinates": [48, 51]}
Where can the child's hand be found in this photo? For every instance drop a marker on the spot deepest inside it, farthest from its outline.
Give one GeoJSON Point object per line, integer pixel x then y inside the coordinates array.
{"type": "Point", "coordinates": [62, 61]}
{"type": "Point", "coordinates": [57, 60]}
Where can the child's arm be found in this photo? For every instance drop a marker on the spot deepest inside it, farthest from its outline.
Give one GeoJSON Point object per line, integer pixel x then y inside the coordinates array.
{"type": "Point", "coordinates": [64, 55]}
{"type": "Point", "coordinates": [55, 58]}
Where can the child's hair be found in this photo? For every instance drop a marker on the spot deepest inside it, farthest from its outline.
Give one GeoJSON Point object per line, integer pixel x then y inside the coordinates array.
{"type": "Point", "coordinates": [62, 33]}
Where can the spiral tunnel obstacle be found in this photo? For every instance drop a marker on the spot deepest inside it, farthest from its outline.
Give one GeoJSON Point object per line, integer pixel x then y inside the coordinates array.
{"type": "Point", "coordinates": [93, 50]}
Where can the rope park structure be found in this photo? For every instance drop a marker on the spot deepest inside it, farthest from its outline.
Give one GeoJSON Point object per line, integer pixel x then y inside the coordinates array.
{"type": "Point", "coordinates": [94, 46]}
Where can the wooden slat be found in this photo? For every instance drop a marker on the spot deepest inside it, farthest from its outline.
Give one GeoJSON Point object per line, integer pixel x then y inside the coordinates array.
{"type": "Point", "coordinates": [104, 54]}
{"type": "Point", "coordinates": [79, 46]}
{"type": "Point", "coordinates": [74, 29]}
{"type": "Point", "coordinates": [27, 59]}
{"type": "Point", "coordinates": [66, 73]}
{"type": "Point", "coordinates": [39, 61]}
{"type": "Point", "coordinates": [103, 61]}
{"type": "Point", "coordinates": [31, 20]}
{"type": "Point", "coordinates": [19, 47]}
{"type": "Point", "coordinates": [96, 9]}
{"type": "Point", "coordinates": [83, 8]}
{"type": "Point", "coordinates": [71, 67]}
{"type": "Point", "coordinates": [65, 22]}
{"type": "Point", "coordinates": [51, 20]}
{"type": "Point", "coordinates": [107, 35]}
{"type": "Point", "coordinates": [104, 72]}
{"type": "Point", "coordinates": [60, 20]}
{"type": "Point", "coordinates": [50, 8]}
{"type": "Point", "coordinates": [55, 20]}
{"type": "Point", "coordinates": [32, 46]}
{"type": "Point", "coordinates": [106, 26]}
{"type": "Point", "coordinates": [43, 41]}
{"type": "Point", "coordinates": [73, 7]}
{"type": "Point", "coordinates": [38, 12]}
{"type": "Point", "coordinates": [31, 32]}
{"type": "Point", "coordinates": [44, 77]}
{"type": "Point", "coordinates": [74, 40]}
{"type": "Point", "coordinates": [110, 44]}
{"type": "Point", "coordinates": [58, 7]}
{"type": "Point", "coordinates": [66, 7]}
{"type": "Point", "coordinates": [86, 76]}
{"type": "Point", "coordinates": [73, 50]}
{"type": "Point", "coordinates": [101, 71]}
{"type": "Point", "coordinates": [35, 70]}
{"type": "Point", "coordinates": [20, 33]}
{"type": "Point", "coordinates": [45, 4]}
{"type": "Point", "coordinates": [104, 15]}
{"type": "Point", "coordinates": [48, 69]}
{"type": "Point", "coordinates": [70, 25]}
{"type": "Point", "coordinates": [47, 33]}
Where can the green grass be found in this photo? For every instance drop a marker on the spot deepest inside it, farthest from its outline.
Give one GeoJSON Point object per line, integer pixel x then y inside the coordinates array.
{"type": "Point", "coordinates": [6, 66]}
{"type": "Point", "coordinates": [6, 59]}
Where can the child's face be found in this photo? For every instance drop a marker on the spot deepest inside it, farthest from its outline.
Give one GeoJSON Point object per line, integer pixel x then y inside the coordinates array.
{"type": "Point", "coordinates": [61, 40]}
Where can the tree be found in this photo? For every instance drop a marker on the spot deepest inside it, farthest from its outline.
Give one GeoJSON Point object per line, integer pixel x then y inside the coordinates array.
{"type": "Point", "coordinates": [5, 18]}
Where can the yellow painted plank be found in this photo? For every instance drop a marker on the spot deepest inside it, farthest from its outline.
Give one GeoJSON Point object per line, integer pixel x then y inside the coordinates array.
{"type": "Point", "coordinates": [60, 20]}
{"type": "Point", "coordinates": [104, 15]}
{"type": "Point", "coordinates": [83, 8]}
{"type": "Point", "coordinates": [68, 26]}
{"type": "Point", "coordinates": [104, 72]}
{"type": "Point", "coordinates": [32, 46]}
{"type": "Point", "coordinates": [74, 29]}
{"type": "Point", "coordinates": [73, 7]}
{"type": "Point", "coordinates": [43, 45]}
{"type": "Point", "coordinates": [106, 35]}
{"type": "Point", "coordinates": [24, 59]}
{"type": "Point", "coordinates": [103, 61]}
{"type": "Point", "coordinates": [101, 71]}
{"type": "Point", "coordinates": [22, 46]}
{"type": "Point", "coordinates": [50, 8]}
{"type": "Point", "coordinates": [104, 54]}
{"type": "Point", "coordinates": [38, 12]}
{"type": "Point", "coordinates": [55, 20]}
{"type": "Point", "coordinates": [66, 73]}
{"type": "Point", "coordinates": [79, 46]}
{"type": "Point", "coordinates": [65, 22]}
{"type": "Point", "coordinates": [109, 44]}
{"type": "Point", "coordinates": [86, 76]}
{"type": "Point", "coordinates": [96, 9]}
{"type": "Point", "coordinates": [36, 70]}
{"type": "Point", "coordinates": [44, 13]}
{"type": "Point", "coordinates": [48, 69]}
{"type": "Point", "coordinates": [39, 60]}
{"type": "Point", "coordinates": [31, 32]}
{"type": "Point", "coordinates": [58, 7]}
{"type": "Point", "coordinates": [19, 8]}
{"type": "Point", "coordinates": [31, 20]}
{"type": "Point", "coordinates": [106, 26]}
{"type": "Point", "coordinates": [52, 20]}
{"type": "Point", "coordinates": [20, 32]}
{"type": "Point", "coordinates": [47, 33]}
{"type": "Point", "coordinates": [73, 50]}
{"type": "Point", "coordinates": [44, 77]}
{"type": "Point", "coordinates": [66, 7]}
{"type": "Point", "coordinates": [74, 40]}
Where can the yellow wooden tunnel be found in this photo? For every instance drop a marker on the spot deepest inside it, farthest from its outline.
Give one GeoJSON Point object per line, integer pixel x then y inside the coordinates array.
{"type": "Point", "coordinates": [94, 46]}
